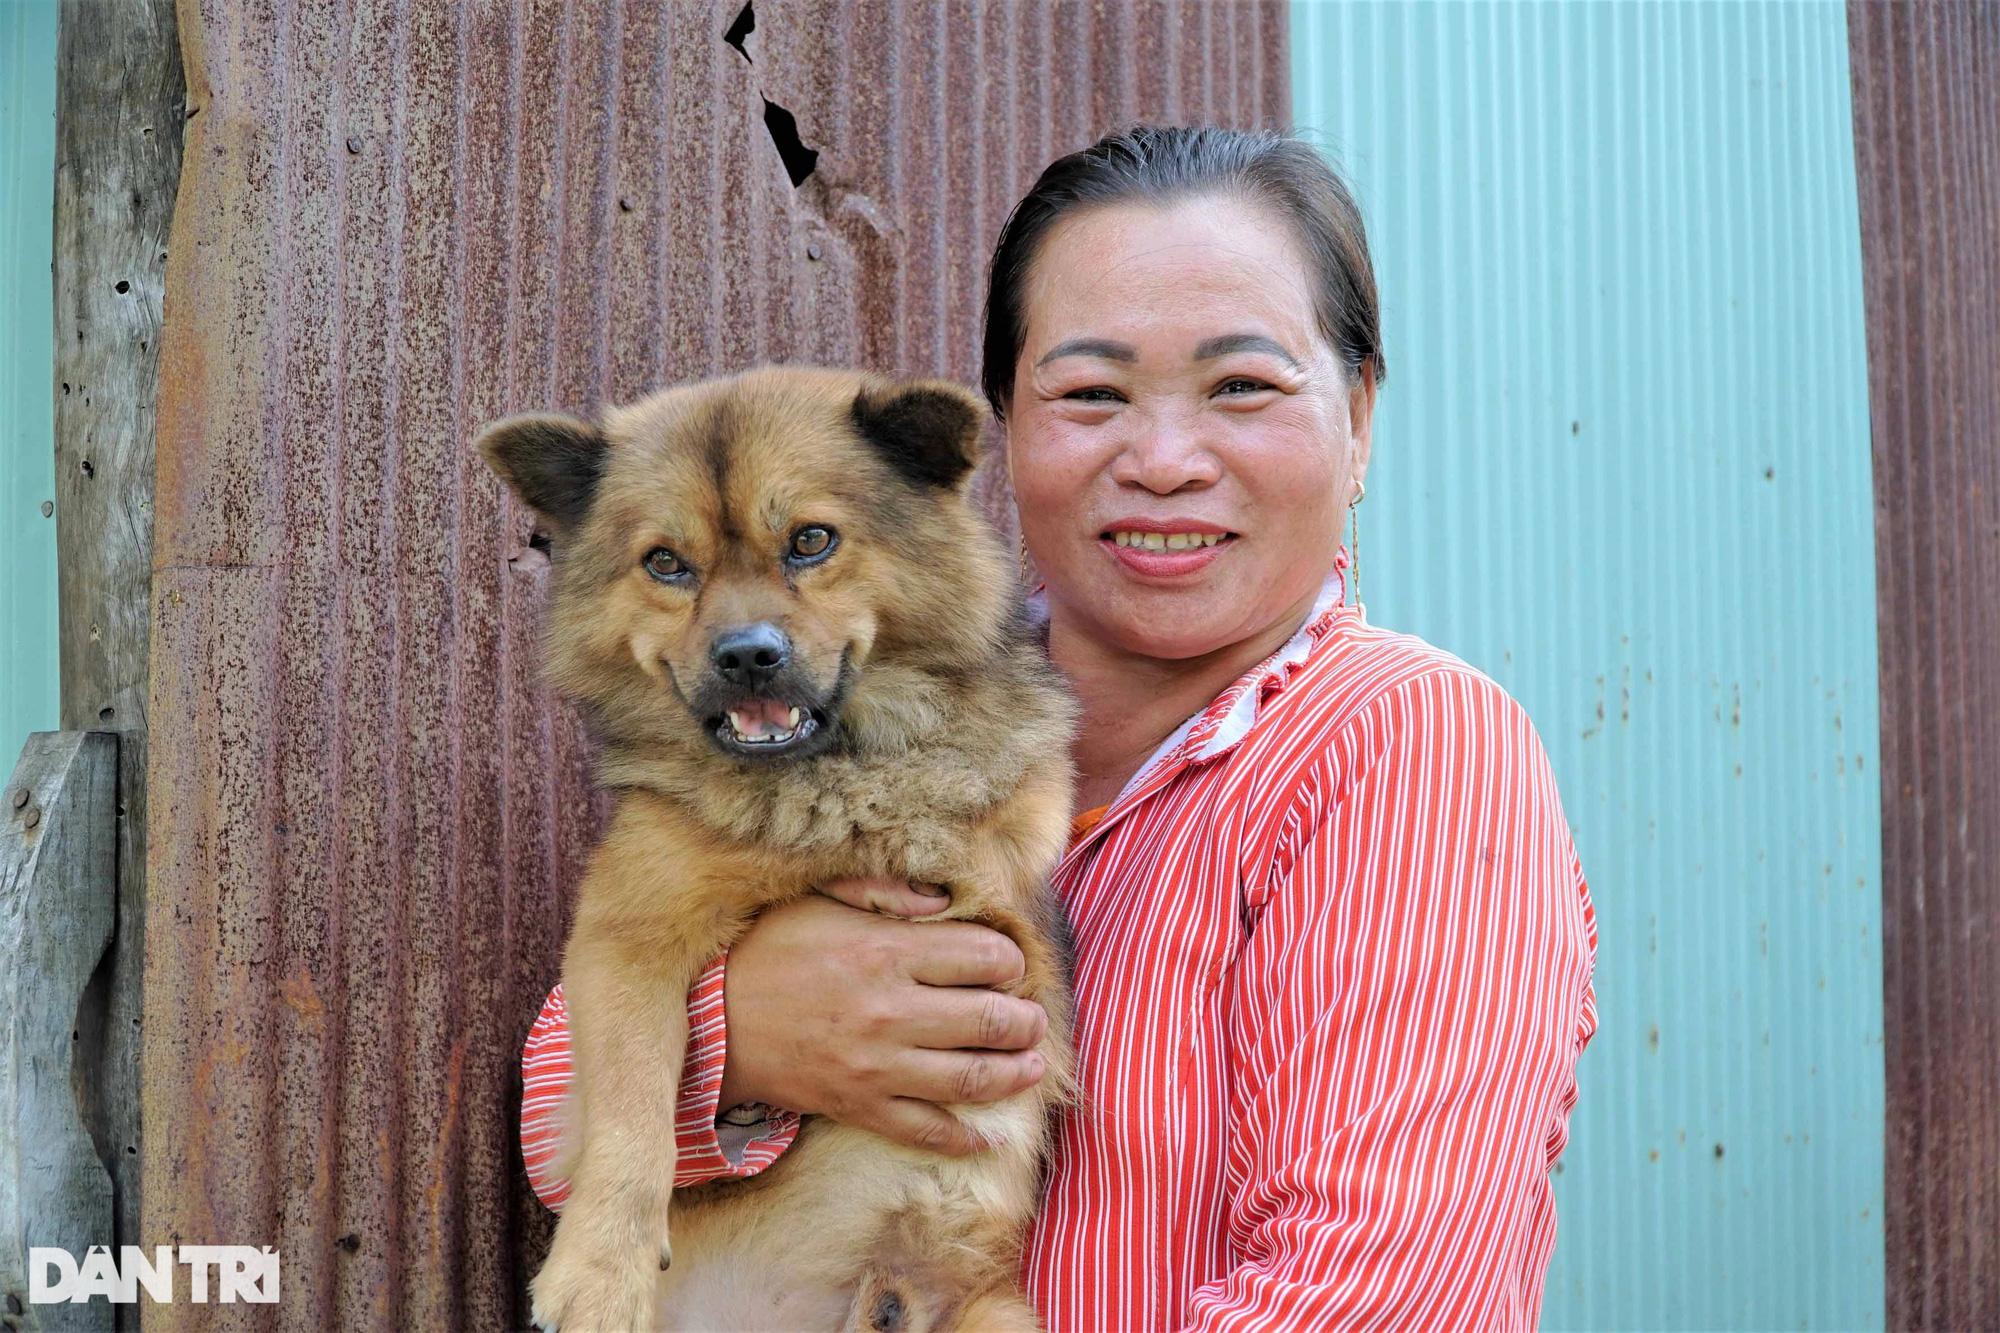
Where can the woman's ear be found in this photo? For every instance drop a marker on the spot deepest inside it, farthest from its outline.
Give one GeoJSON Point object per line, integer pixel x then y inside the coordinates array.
{"type": "Point", "coordinates": [928, 430]}
{"type": "Point", "coordinates": [552, 462]}
{"type": "Point", "coordinates": [1361, 418]}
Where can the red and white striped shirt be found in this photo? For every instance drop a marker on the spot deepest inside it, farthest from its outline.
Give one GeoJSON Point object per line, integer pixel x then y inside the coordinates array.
{"type": "Point", "coordinates": [1333, 975]}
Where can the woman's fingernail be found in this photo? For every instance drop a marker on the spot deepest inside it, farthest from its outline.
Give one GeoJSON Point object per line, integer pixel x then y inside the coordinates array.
{"type": "Point", "coordinates": [1034, 1065]}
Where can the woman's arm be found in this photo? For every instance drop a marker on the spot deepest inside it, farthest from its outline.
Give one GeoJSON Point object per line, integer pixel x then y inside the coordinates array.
{"type": "Point", "coordinates": [825, 1009]}
{"type": "Point", "coordinates": [1411, 1004]}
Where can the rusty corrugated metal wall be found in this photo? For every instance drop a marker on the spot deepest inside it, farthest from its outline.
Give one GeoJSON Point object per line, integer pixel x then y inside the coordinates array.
{"type": "Point", "coordinates": [1927, 147]}
{"type": "Point", "coordinates": [398, 220]}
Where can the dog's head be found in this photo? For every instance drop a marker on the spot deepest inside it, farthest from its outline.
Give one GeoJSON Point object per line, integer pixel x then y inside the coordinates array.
{"type": "Point", "coordinates": [777, 560]}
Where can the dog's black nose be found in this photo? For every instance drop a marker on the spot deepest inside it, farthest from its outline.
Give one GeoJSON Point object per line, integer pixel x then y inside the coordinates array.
{"type": "Point", "coordinates": [750, 656]}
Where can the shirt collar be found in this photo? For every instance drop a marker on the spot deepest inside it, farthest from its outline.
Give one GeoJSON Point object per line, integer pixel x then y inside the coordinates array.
{"type": "Point", "coordinates": [1220, 726]}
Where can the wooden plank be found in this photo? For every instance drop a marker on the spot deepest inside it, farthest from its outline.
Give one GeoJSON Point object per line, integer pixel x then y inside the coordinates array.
{"type": "Point", "coordinates": [58, 872]}
{"type": "Point", "coordinates": [120, 108]}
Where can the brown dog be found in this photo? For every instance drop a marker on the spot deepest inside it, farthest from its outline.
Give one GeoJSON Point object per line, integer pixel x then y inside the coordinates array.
{"type": "Point", "coordinates": [800, 651]}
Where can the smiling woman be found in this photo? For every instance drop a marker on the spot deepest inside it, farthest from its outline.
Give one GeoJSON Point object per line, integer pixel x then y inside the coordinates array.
{"type": "Point", "coordinates": [1333, 946]}
{"type": "Point", "coordinates": [1176, 412]}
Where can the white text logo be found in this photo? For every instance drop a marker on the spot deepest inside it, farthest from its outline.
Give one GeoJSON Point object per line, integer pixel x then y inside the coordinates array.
{"type": "Point", "coordinates": [242, 1272]}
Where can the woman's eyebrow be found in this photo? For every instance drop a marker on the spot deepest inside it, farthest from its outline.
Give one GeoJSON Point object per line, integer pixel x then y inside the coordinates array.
{"type": "Point", "coordinates": [1103, 347]}
{"type": "Point", "coordinates": [1242, 342]}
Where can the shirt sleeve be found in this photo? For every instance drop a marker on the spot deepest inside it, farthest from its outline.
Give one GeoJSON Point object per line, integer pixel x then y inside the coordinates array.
{"type": "Point", "coordinates": [709, 1147]}
{"type": "Point", "coordinates": [1411, 1002]}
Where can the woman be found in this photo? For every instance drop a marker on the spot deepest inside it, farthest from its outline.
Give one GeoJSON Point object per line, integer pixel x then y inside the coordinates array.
{"type": "Point", "coordinates": [1333, 944]}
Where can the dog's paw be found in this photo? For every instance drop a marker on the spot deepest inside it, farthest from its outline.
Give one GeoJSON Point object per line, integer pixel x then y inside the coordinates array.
{"type": "Point", "coordinates": [576, 1294]}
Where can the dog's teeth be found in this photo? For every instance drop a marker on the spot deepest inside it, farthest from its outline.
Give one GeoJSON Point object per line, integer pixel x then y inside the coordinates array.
{"type": "Point", "coordinates": [793, 722]}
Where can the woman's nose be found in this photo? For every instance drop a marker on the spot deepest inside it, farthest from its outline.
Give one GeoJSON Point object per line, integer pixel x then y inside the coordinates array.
{"type": "Point", "coordinates": [1166, 457]}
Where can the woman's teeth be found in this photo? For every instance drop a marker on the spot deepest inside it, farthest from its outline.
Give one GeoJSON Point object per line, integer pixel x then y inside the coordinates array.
{"type": "Point", "coordinates": [1168, 541]}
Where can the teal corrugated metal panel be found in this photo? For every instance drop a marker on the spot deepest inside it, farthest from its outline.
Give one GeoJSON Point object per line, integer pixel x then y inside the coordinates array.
{"type": "Point", "coordinates": [1623, 465]}
{"type": "Point", "coordinates": [27, 355]}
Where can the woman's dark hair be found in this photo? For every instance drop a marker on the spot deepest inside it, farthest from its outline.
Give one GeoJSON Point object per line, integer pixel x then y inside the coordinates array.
{"type": "Point", "coordinates": [1158, 165]}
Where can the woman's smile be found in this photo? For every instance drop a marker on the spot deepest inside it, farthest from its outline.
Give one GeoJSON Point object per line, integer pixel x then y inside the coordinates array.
{"type": "Point", "coordinates": [1156, 550]}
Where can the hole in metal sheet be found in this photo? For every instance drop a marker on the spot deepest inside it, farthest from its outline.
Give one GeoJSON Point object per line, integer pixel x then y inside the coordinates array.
{"type": "Point", "coordinates": [739, 31]}
{"type": "Point", "coordinates": [784, 127]}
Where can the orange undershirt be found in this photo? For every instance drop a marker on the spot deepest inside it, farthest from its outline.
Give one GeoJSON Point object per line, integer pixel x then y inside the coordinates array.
{"type": "Point", "coordinates": [1085, 822]}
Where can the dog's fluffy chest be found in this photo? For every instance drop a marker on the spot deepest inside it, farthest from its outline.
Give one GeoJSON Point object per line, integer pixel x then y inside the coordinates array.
{"type": "Point", "coordinates": [913, 819]}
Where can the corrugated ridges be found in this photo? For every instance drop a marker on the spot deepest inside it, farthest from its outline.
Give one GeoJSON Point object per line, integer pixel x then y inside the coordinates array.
{"type": "Point", "coordinates": [397, 221]}
{"type": "Point", "coordinates": [1927, 145]}
{"type": "Point", "coordinates": [28, 620]}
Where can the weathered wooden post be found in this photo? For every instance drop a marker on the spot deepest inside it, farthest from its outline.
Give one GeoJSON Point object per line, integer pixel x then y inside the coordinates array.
{"type": "Point", "coordinates": [120, 106]}
{"type": "Point", "coordinates": [58, 890]}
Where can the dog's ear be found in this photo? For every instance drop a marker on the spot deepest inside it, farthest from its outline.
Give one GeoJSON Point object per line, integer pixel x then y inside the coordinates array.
{"type": "Point", "coordinates": [928, 430]}
{"type": "Point", "coordinates": [552, 462]}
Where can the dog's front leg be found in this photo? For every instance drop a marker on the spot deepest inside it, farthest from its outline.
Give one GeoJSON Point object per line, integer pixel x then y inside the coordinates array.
{"type": "Point", "coordinates": [628, 1031]}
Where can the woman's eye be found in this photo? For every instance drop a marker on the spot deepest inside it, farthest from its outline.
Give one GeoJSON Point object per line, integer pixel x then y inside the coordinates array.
{"type": "Point", "coordinates": [664, 565]}
{"type": "Point", "coordinates": [1239, 386]}
{"type": "Point", "coordinates": [1095, 395]}
{"type": "Point", "coordinates": [811, 543]}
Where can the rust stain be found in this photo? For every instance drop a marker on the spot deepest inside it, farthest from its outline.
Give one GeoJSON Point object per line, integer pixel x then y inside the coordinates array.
{"type": "Point", "coordinates": [299, 996]}
{"type": "Point", "coordinates": [441, 1178]}
{"type": "Point", "coordinates": [397, 222]}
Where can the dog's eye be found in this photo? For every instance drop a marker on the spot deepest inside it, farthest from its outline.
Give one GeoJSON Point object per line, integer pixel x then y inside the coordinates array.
{"type": "Point", "coordinates": [664, 565]}
{"type": "Point", "coordinates": [809, 544]}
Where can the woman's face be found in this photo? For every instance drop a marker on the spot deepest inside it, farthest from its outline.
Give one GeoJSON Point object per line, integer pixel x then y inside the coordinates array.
{"type": "Point", "coordinates": [1182, 439]}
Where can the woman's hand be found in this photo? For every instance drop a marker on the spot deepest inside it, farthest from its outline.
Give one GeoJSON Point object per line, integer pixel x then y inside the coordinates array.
{"type": "Point", "coordinates": [834, 1010]}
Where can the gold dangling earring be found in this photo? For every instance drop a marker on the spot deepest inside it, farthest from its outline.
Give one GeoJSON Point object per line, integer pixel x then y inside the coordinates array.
{"type": "Point", "coordinates": [1354, 543]}
{"type": "Point", "coordinates": [1021, 541]}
